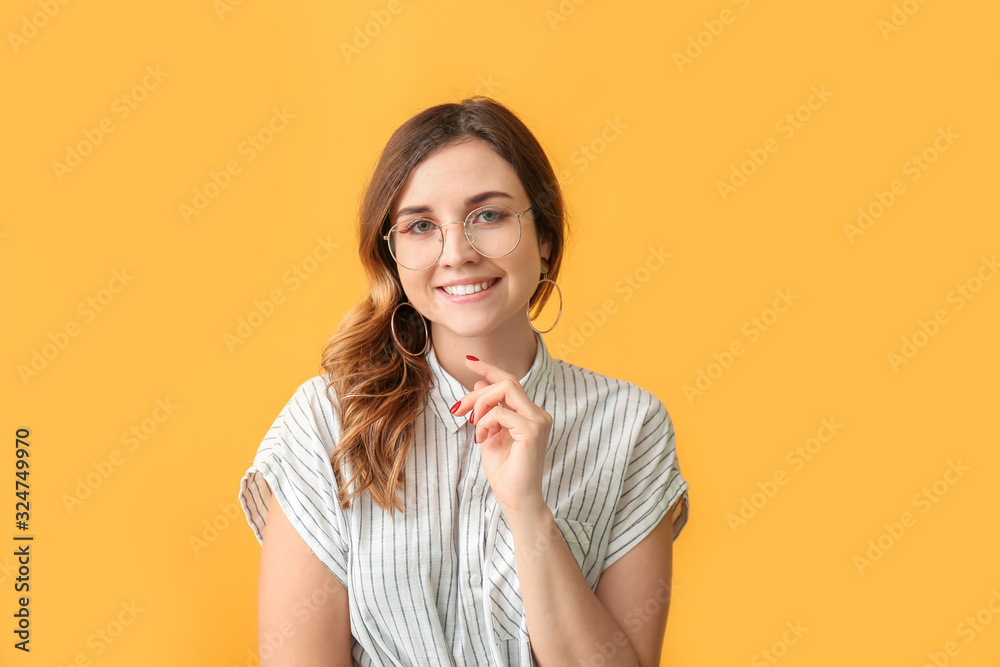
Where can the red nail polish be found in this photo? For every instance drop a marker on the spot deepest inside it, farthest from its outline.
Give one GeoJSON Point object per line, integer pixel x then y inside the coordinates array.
{"type": "Point", "coordinates": [469, 356]}
{"type": "Point", "coordinates": [455, 407]}
{"type": "Point", "coordinates": [472, 417]}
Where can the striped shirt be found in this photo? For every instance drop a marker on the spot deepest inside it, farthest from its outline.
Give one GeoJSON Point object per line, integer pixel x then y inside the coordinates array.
{"type": "Point", "coordinates": [436, 584]}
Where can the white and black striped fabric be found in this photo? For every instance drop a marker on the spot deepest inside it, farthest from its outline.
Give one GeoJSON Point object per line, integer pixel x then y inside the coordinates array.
{"type": "Point", "coordinates": [436, 584]}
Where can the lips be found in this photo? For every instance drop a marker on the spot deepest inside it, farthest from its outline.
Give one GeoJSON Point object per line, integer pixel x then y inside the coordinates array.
{"type": "Point", "coordinates": [471, 288]}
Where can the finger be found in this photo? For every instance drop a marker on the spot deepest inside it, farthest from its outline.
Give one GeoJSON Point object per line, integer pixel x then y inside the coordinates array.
{"type": "Point", "coordinates": [489, 434]}
{"type": "Point", "coordinates": [507, 392]}
{"type": "Point", "coordinates": [468, 401]}
{"type": "Point", "coordinates": [488, 370]}
{"type": "Point", "coordinates": [497, 419]}
{"type": "Point", "coordinates": [482, 435]}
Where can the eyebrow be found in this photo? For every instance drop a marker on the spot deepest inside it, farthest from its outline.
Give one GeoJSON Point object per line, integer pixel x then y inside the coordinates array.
{"type": "Point", "coordinates": [471, 201]}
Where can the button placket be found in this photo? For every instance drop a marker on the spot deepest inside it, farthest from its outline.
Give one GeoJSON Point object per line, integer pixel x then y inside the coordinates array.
{"type": "Point", "coordinates": [476, 504]}
{"type": "Point", "coordinates": [471, 541]}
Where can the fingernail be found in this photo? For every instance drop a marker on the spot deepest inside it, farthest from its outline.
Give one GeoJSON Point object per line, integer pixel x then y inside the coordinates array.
{"type": "Point", "coordinates": [455, 407]}
{"type": "Point", "coordinates": [469, 356]}
{"type": "Point", "coordinates": [472, 417]}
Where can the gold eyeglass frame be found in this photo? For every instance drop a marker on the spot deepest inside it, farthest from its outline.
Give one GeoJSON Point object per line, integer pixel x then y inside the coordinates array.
{"type": "Point", "coordinates": [465, 226]}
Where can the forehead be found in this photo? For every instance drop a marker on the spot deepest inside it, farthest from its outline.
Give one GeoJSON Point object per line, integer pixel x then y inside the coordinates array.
{"type": "Point", "coordinates": [453, 173]}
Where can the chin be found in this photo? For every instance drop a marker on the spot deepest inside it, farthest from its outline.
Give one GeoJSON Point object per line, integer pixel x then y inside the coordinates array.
{"type": "Point", "coordinates": [467, 329]}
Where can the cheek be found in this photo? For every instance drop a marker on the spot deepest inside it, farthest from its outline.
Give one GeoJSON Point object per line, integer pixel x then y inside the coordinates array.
{"type": "Point", "coordinates": [412, 285]}
{"type": "Point", "coordinates": [523, 276]}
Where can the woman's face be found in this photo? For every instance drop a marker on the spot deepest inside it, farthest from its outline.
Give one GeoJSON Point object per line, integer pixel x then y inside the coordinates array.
{"type": "Point", "coordinates": [445, 187]}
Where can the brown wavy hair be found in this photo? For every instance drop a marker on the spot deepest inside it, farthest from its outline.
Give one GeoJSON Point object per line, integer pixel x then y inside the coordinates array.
{"type": "Point", "coordinates": [378, 391]}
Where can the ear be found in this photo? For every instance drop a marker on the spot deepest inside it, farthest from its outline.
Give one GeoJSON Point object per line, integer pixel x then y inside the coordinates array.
{"type": "Point", "coordinates": [544, 249]}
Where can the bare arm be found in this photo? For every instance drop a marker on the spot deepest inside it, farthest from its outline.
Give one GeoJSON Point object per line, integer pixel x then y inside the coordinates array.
{"type": "Point", "coordinates": [303, 619]}
{"type": "Point", "coordinates": [621, 623]}
{"type": "Point", "coordinates": [636, 589]}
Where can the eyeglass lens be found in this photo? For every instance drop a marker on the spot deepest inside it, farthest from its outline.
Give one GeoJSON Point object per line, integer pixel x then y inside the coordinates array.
{"type": "Point", "coordinates": [493, 231]}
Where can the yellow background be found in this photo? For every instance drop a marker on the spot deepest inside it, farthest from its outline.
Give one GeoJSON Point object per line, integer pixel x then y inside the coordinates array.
{"type": "Point", "coordinates": [572, 71]}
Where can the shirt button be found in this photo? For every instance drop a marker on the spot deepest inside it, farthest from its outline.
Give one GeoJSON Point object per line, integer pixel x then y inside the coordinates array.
{"type": "Point", "coordinates": [477, 490]}
{"type": "Point", "coordinates": [475, 580]}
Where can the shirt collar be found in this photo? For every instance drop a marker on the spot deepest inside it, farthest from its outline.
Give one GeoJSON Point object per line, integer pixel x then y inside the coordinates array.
{"type": "Point", "coordinates": [446, 390]}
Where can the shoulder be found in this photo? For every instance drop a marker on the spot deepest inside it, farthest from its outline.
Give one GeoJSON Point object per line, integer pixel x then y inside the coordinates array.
{"type": "Point", "coordinates": [311, 387]}
{"type": "Point", "coordinates": [309, 414]}
{"type": "Point", "coordinates": [575, 383]}
{"type": "Point", "coordinates": [315, 394]}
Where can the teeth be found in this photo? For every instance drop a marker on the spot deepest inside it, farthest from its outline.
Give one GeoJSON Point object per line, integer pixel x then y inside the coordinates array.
{"type": "Point", "coordinates": [461, 290]}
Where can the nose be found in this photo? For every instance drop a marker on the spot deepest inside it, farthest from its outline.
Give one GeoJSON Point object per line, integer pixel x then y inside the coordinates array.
{"type": "Point", "coordinates": [457, 249]}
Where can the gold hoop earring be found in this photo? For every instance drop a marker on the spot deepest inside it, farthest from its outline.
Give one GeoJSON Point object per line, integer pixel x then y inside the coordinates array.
{"type": "Point", "coordinates": [392, 329]}
{"type": "Point", "coordinates": [528, 309]}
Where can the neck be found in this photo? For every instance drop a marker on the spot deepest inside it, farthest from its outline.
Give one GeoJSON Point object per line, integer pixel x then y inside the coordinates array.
{"type": "Point", "coordinates": [511, 349]}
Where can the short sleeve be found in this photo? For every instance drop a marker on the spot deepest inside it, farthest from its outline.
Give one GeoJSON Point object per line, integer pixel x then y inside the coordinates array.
{"type": "Point", "coordinates": [293, 464]}
{"type": "Point", "coordinates": [652, 484]}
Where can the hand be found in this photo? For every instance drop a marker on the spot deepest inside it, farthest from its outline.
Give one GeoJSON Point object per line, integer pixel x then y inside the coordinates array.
{"type": "Point", "coordinates": [513, 433]}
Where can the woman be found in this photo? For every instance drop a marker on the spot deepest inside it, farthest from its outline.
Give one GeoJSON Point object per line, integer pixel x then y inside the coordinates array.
{"type": "Point", "coordinates": [445, 492]}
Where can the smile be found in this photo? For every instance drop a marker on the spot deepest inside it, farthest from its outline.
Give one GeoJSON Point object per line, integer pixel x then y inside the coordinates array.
{"type": "Point", "coordinates": [473, 288]}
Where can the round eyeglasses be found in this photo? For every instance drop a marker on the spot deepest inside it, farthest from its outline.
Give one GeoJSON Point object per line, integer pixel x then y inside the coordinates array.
{"type": "Point", "coordinates": [493, 231]}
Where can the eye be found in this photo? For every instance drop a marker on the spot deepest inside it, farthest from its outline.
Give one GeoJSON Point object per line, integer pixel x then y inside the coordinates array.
{"type": "Point", "coordinates": [417, 227]}
{"type": "Point", "coordinates": [491, 215]}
